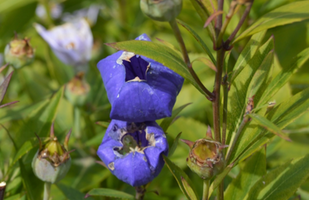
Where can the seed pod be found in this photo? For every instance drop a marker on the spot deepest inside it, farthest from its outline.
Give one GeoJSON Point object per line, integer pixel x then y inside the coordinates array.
{"type": "Point", "coordinates": [19, 52]}
{"type": "Point", "coordinates": [161, 10]}
{"type": "Point", "coordinates": [52, 161]}
{"type": "Point", "coordinates": [77, 90]}
{"type": "Point", "coordinates": [205, 157]}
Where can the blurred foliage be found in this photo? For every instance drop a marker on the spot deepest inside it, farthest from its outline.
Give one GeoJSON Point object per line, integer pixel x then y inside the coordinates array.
{"type": "Point", "coordinates": [39, 87]}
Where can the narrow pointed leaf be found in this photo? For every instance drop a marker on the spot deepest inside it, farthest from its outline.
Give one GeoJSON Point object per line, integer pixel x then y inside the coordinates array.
{"type": "Point", "coordinates": [247, 53]}
{"type": "Point", "coordinates": [188, 189]}
{"type": "Point", "coordinates": [268, 125]}
{"type": "Point", "coordinates": [253, 169]}
{"type": "Point", "coordinates": [281, 183]}
{"type": "Point", "coordinates": [71, 193]}
{"type": "Point", "coordinates": [159, 53]}
{"type": "Point", "coordinates": [289, 13]}
{"type": "Point", "coordinates": [106, 192]}
{"type": "Point", "coordinates": [199, 40]}
{"type": "Point", "coordinates": [282, 78]}
{"type": "Point", "coordinates": [219, 178]}
{"type": "Point", "coordinates": [4, 86]}
{"type": "Point", "coordinates": [169, 120]}
{"type": "Point", "coordinates": [179, 175]}
{"type": "Point", "coordinates": [174, 145]}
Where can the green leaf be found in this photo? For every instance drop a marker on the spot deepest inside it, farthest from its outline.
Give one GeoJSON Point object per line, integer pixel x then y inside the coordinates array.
{"type": "Point", "coordinates": [159, 53]}
{"type": "Point", "coordinates": [281, 183]}
{"type": "Point", "coordinates": [252, 170]}
{"type": "Point", "coordinates": [169, 120]}
{"type": "Point", "coordinates": [268, 125]}
{"type": "Point", "coordinates": [21, 111]}
{"type": "Point", "coordinates": [261, 74]}
{"type": "Point", "coordinates": [204, 9]}
{"type": "Point", "coordinates": [25, 148]}
{"type": "Point", "coordinates": [282, 78]}
{"type": "Point", "coordinates": [39, 120]}
{"type": "Point", "coordinates": [109, 193]}
{"type": "Point", "coordinates": [281, 115]}
{"type": "Point", "coordinates": [4, 86]}
{"type": "Point", "coordinates": [179, 175]}
{"type": "Point", "coordinates": [219, 178]}
{"type": "Point", "coordinates": [199, 40]}
{"type": "Point", "coordinates": [289, 13]}
{"type": "Point", "coordinates": [188, 189]}
{"type": "Point", "coordinates": [239, 94]}
{"type": "Point", "coordinates": [248, 52]}
{"type": "Point", "coordinates": [9, 5]}
{"type": "Point", "coordinates": [71, 193]}
{"type": "Point", "coordinates": [174, 146]}
{"type": "Point", "coordinates": [33, 185]}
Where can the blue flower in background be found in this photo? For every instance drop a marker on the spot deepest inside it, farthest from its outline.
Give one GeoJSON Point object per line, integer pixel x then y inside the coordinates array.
{"type": "Point", "coordinates": [138, 88]}
{"type": "Point", "coordinates": [132, 151]}
{"type": "Point", "coordinates": [71, 42]}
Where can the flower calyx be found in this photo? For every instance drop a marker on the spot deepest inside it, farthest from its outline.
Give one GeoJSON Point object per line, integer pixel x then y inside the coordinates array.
{"type": "Point", "coordinates": [52, 161]}
{"type": "Point", "coordinates": [205, 157]}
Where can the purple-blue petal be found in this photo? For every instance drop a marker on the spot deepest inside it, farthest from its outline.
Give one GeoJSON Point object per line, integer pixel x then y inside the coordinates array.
{"type": "Point", "coordinates": [138, 101]}
{"type": "Point", "coordinates": [134, 168]}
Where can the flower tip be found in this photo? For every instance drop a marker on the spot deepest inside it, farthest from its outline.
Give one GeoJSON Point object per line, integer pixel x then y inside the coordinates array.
{"type": "Point", "coordinates": [188, 142]}
{"type": "Point", "coordinates": [52, 133]}
{"type": "Point", "coordinates": [66, 141]}
{"type": "Point", "coordinates": [209, 133]}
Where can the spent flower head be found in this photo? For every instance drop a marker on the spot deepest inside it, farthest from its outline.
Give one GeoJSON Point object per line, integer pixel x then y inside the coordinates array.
{"type": "Point", "coordinates": [132, 151]}
{"type": "Point", "coordinates": [77, 90]}
{"type": "Point", "coordinates": [205, 157]}
{"type": "Point", "coordinates": [52, 161]}
{"type": "Point", "coordinates": [19, 52]}
{"type": "Point", "coordinates": [138, 88]}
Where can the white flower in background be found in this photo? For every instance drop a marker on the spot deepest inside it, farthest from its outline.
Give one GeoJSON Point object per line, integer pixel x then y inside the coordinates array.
{"type": "Point", "coordinates": [90, 14]}
{"type": "Point", "coordinates": [55, 10]}
{"type": "Point", "coordinates": [71, 42]}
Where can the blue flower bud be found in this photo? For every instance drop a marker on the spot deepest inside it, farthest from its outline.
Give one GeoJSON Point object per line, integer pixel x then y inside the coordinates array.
{"type": "Point", "coordinates": [71, 42]}
{"type": "Point", "coordinates": [132, 151]}
{"type": "Point", "coordinates": [138, 88]}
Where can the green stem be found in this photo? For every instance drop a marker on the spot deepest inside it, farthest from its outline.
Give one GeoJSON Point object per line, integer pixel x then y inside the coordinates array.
{"type": "Point", "coordinates": [47, 187]}
{"type": "Point", "coordinates": [231, 148]}
{"type": "Point", "coordinates": [217, 99]}
{"type": "Point", "coordinates": [225, 102]}
{"type": "Point", "coordinates": [206, 184]}
{"type": "Point", "coordinates": [49, 19]}
{"type": "Point", "coordinates": [77, 122]}
{"type": "Point", "coordinates": [186, 58]}
{"type": "Point", "coordinates": [140, 192]}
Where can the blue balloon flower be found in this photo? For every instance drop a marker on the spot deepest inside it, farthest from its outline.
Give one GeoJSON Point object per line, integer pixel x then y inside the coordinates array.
{"type": "Point", "coordinates": [138, 88]}
{"type": "Point", "coordinates": [132, 151]}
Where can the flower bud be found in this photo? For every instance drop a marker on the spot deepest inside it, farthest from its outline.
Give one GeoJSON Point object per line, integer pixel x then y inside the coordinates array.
{"type": "Point", "coordinates": [205, 157]}
{"type": "Point", "coordinates": [77, 90]}
{"type": "Point", "coordinates": [161, 10]}
{"type": "Point", "coordinates": [52, 161]}
{"type": "Point", "coordinates": [19, 52]}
